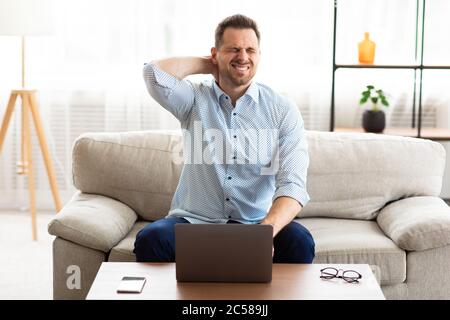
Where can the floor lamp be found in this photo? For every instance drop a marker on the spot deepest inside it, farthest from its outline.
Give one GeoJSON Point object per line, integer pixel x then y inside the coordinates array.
{"type": "Point", "coordinates": [27, 18]}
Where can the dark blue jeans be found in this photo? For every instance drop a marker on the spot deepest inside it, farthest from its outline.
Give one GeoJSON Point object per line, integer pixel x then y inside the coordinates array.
{"type": "Point", "coordinates": [156, 243]}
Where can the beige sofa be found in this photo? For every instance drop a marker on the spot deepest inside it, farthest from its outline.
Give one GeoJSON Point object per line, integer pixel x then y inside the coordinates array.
{"type": "Point", "coordinates": [374, 200]}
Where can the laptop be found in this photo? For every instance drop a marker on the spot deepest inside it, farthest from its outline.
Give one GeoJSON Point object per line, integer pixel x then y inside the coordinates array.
{"type": "Point", "coordinates": [223, 252]}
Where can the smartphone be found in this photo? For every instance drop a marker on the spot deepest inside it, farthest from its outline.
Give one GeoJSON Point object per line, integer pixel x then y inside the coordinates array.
{"type": "Point", "coordinates": [131, 285]}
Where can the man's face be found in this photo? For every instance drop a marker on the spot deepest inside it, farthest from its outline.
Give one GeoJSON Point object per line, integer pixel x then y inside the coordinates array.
{"type": "Point", "coordinates": [238, 56]}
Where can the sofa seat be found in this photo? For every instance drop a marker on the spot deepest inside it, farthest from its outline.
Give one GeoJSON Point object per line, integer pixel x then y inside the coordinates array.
{"type": "Point", "coordinates": [357, 241]}
{"type": "Point", "coordinates": [123, 251]}
{"type": "Point", "coordinates": [337, 241]}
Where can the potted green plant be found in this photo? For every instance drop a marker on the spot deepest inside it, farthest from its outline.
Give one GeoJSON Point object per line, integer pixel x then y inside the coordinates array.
{"type": "Point", "coordinates": [374, 119]}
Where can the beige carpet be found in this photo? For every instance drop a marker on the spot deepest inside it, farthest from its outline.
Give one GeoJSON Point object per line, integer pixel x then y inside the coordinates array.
{"type": "Point", "coordinates": [25, 265]}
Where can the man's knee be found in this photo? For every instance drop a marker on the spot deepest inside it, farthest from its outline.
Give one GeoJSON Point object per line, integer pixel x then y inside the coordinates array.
{"type": "Point", "coordinates": [303, 238]}
{"type": "Point", "coordinates": [298, 242]}
{"type": "Point", "coordinates": [152, 242]}
{"type": "Point", "coordinates": [150, 235]}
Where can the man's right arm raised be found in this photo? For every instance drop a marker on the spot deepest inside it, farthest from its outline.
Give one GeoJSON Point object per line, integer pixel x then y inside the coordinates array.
{"type": "Point", "coordinates": [165, 82]}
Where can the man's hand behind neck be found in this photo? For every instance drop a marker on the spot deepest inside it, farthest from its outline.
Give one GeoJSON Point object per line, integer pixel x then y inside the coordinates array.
{"type": "Point", "coordinates": [181, 67]}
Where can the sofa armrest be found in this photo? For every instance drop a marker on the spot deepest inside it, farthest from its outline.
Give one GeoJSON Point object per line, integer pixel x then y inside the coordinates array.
{"type": "Point", "coordinates": [93, 221]}
{"type": "Point", "coordinates": [417, 223]}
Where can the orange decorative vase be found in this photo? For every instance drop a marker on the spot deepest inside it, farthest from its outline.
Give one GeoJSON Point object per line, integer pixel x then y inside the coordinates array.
{"type": "Point", "coordinates": [366, 50]}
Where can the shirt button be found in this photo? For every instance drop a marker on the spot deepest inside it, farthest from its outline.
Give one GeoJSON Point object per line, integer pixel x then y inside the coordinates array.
{"type": "Point", "coordinates": [228, 199]}
{"type": "Point", "coordinates": [234, 113]}
{"type": "Point", "coordinates": [234, 157]}
{"type": "Point", "coordinates": [229, 178]}
{"type": "Point", "coordinates": [235, 136]}
{"type": "Point", "coordinates": [226, 98]}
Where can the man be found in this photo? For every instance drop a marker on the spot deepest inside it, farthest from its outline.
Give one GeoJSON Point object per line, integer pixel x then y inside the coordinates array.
{"type": "Point", "coordinates": [227, 189]}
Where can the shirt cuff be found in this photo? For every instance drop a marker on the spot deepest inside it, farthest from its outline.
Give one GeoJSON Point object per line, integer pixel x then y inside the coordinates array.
{"type": "Point", "coordinates": [293, 191]}
{"type": "Point", "coordinates": [161, 78]}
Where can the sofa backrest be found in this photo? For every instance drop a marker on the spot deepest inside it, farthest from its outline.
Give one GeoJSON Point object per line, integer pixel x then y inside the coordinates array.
{"type": "Point", "coordinates": [354, 175]}
{"type": "Point", "coordinates": [351, 175]}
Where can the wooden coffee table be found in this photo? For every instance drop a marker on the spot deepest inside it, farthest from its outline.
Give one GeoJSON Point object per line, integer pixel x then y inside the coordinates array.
{"type": "Point", "coordinates": [289, 282]}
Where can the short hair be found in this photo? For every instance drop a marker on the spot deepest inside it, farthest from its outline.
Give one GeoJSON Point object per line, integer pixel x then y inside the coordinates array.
{"type": "Point", "coordinates": [237, 21]}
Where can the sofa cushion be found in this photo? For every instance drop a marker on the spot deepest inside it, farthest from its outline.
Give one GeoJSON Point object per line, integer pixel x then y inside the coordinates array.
{"type": "Point", "coordinates": [93, 221]}
{"type": "Point", "coordinates": [123, 251]}
{"type": "Point", "coordinates": [353, 175]}
{"type": "Point", "coordinates": [140, 169]}
{"type": "Point", "coordinates": [357, 241]}
{"type": "Point", "coordinates": [417, 223]}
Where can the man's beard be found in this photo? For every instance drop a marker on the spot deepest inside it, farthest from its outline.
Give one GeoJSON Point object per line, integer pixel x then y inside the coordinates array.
{"type": "Point", "coordinates": [237, 81]}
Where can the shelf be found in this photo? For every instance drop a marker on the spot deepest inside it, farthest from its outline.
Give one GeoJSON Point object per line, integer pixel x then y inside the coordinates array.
{"type": "Point", "coordinates": [417, 65]}
{"type": "Point", "coordinates": [388, 66]}
{"type": "Point", "coordinates": [425, 133]}
{"type": "Point", "coordinates": [436, 67]}
{"type": "Point", "coordinates": [377, 66]}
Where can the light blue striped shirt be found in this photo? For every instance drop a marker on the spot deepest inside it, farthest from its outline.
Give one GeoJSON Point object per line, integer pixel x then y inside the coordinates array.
{"type": "Point", "coordinates": [237, 160]}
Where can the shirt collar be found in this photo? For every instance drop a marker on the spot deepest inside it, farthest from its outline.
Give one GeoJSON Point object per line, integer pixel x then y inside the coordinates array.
{"type": "Point", "coordinates": [252, 91]}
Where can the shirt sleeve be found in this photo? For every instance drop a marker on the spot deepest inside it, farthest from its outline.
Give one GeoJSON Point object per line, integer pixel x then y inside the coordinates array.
{"type": "Point", "coordinates": [176, 96]}
{"type": "Point", "coordinates": [290, 179]}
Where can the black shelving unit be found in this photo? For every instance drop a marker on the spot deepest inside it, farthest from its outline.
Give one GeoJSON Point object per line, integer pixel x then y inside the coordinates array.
{"type": "Point", "coordinates": [418, 69]}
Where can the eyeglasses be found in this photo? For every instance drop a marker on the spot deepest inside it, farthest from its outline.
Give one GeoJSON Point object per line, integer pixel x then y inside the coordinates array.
{"type": "Point", "coordinates": [350, 276]}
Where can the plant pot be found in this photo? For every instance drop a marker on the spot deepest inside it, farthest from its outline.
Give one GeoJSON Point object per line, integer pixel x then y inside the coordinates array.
{"type": "Point", "coordinates": [374, 121]}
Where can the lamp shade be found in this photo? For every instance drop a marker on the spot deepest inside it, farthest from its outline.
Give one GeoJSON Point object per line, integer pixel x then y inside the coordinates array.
{"type": "Point", "coordinates": [26, 17]}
